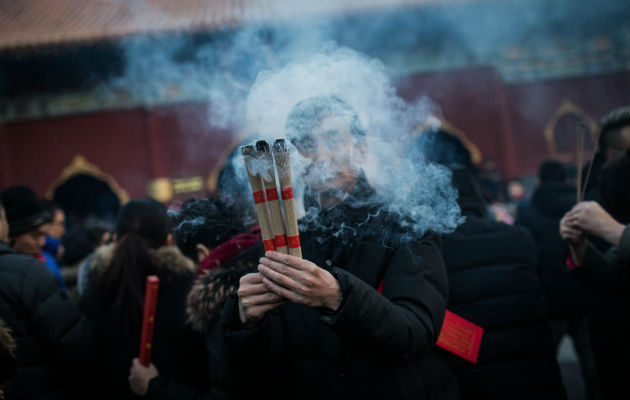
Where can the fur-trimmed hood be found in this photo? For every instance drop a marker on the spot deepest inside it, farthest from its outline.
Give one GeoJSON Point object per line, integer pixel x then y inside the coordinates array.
{"type": "Point", "coordinates": [8, 363]}
{"type": "Point", "coordinates": [211, 290]}
{"type": "Point", "coordinates": [170, 261]}
{"type": "Point", "coordinates": [207, 296]}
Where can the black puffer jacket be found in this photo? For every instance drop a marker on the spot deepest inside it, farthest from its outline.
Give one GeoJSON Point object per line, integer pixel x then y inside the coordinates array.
{"type": "Point", "coordinates": [178, 353]}
{"type": "Point", "coordinates": [494, 283]}
{"type": "Point", "coordinates": [204, 305]}
{"type": "Point", "coordinates": [54, 342]}
{"type": "Point", "coordinates": [373, 346]}
{"type": "Point", "coordinates": [565, 295]}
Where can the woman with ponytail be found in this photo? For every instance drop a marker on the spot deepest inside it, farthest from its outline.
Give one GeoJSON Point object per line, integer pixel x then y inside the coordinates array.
{"type": "Point", "coordinates": [114, 298]}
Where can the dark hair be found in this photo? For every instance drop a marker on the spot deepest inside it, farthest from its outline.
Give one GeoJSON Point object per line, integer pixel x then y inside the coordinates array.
{"type": "Point", "coordinates": [210, 221]}
{"type": "Point", "coordinates": [611, 126]}
{"type": "Point", "coordinates": [615, 189]}
{"type": "Point", "coordinates": [142, 225]}
{"type": "Point", "coordinates": [308, 114]}
{"type": "Point", "coordinates": [51, 206]}
{"type": "Point", "coordinates": [552, 171]}
{"type": "Point", "coordinates": [443, 148]}
{"type": "Point", "coordinates": [82, 241]}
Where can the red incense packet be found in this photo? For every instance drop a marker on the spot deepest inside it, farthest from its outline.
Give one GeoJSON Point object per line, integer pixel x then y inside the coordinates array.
{"type": "Point", "coordinates": [460, 337]}
{"type": "Point", "coordinates": [148, 319]}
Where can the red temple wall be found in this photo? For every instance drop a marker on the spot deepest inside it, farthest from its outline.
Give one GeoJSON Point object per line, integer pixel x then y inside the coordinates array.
{"type": "Point", "coordinates": [506, 122]}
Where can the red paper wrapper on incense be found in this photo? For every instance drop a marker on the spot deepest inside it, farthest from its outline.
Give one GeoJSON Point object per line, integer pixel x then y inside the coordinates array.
{"type": "Point", "coordinates": [283, 165]}
{"type": "Point", "coordinates": [148, 319]}
{"type": "Point", "coordinates": [271, 191]}
{"type": "Point", "coordinates": [262, 212]}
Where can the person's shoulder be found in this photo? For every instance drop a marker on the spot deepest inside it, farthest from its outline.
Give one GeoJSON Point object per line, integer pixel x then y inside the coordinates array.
{"type": "Point", "coordinates": [171, 261]}
{"type": "Point", "coordinates": [22, 264]}
{"type": "Point", "coordinates": [27, 277]}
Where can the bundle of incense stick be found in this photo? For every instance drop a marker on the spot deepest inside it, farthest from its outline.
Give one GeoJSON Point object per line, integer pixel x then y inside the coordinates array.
{"type": "Point", "coordinates": [271, 192]}
{"type": "Point", "coordinates": [283, 165]}
{"type": "Point", "coordinates": [148, 319]}
{"type": "Point", "coordinates": [268, 209]}
{"type": "Point", "coordinates": [262, 211]}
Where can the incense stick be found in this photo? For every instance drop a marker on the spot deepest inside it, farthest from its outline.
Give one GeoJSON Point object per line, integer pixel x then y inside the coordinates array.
{"type": "Point", "coordinates": [148, 319]}
{"type": "Point", "coordinates": [262, 212]}
{"type": "Point", "coordinates": [271, 191]}
{"type": "Point", "coordinates": [590, 167]}
{"type": "Point", "coordinates": [580, 159]}
{"type": "Point", "coordinates": [283, 164]}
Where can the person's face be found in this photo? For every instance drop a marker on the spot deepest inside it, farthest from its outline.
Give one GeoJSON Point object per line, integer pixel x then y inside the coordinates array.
{"type": "Point", "coordinates": [57, 227]}
{"type": "Point", "coordinates": [624, 144]}
{"type": "Point", "coordinates": [335, 157]}
{"type": "Point", "coordinates": [30, 243]}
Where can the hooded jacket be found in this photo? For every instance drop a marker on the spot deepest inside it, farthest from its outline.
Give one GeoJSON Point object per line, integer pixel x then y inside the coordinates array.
{"type": "Point", "coordinates": [373, 346]}
{"type": "Point", "coordinates": [177, 352]}
{"type": "Point", "coordinates": [54, 342]}
{"type": "Point", "coordinates": [565, 295]}
{"type": "Point", "coordinates": [494, 283]}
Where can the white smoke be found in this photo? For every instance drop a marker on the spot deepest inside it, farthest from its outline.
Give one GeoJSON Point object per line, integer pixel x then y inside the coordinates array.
{"type": "Point", "coordinates": [421, 193]}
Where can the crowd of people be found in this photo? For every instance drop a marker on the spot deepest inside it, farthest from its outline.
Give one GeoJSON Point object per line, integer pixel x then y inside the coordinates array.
{"type": "Point", "coordinates": [357, 317]}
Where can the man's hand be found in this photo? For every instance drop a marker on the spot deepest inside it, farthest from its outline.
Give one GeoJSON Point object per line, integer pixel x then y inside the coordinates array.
{"type": "Point", "coordinates": [139, 377]}
{"type": "Point", "coordinates": [300, 281]}
{"type": "Point", "coordinates": [574, 236]}
{"type": "Point", "coordinates": [590, 217]}
{"type": "Point", "coordinates": [254, 299]}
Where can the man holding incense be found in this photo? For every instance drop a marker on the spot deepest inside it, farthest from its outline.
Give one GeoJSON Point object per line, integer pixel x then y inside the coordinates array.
{"type": "Point", "coordinates": [357, 317]}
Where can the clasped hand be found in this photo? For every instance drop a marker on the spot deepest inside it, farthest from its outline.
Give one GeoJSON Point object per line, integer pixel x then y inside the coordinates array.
{"type": "Point", "coordinates": [283, 277]}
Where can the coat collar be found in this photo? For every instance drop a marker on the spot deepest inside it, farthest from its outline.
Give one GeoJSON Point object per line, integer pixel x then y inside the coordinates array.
{"type": "Point", "coordinates": [169, 260]}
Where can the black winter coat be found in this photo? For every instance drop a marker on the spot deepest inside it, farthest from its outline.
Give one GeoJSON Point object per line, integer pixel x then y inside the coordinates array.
{"type": "Point", "coordinates": [493, 282]}
{"type": "Point", "coordinates": [373, 346]}
{"type": "Point", "coordinates": [565, 295]}
{"type": "Point", "coordinates": [608, 274]}
{"type": "Point", "coordinates": [54, 341]}
{"type": "Point", "coordinates": [177, 352]}
{"type": "Point", "coordinates": [204, 304]}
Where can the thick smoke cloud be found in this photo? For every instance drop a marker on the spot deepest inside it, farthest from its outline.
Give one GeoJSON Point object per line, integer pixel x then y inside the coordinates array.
{"type": "Point", "coordinates": [421, 193]}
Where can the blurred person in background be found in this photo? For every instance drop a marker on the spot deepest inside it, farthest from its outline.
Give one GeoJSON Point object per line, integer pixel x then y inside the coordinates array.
{"type": "Point", "coordinates": [565, 295]}
{"type": "Point", "coordinates": [53, 248]}
{"type": "Point", "coordinates": [613, 140]}
{"type": "Point", "coordinates": [78, 245]}
{"type": "Point", "coordinates": [28, 218]}
{"type": "Point", "coordinates": [55, 229]}
{"type": "Point", "coordinates": [114, 299]}
{"type": "Point", "coordinates": [494, 283]}
{"type": "Point", "coordinates": [54, 341]}
{"type": "Point", "coordinates": [606, 275]}
{"type": "Point", "coordinates": [208, 231]}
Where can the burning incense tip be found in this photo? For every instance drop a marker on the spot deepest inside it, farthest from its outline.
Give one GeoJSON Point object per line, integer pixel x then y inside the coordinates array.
{"type": "Point", "coordinates": [280, 145]}
{"type": "Point", "coordinates": [262, 147]}
{"type": "Point", "coordinates": [247, 150]}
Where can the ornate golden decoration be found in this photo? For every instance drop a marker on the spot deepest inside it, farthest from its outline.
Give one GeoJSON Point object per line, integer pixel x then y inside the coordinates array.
{"type": "Point", "coordinates": [567, 108]}
{"type": "Point", "coordinates": [161, 189]}
{"type": "Point", "coordinates": [80, 166]}
{"type": "Point", "coordinates": [475, 153]}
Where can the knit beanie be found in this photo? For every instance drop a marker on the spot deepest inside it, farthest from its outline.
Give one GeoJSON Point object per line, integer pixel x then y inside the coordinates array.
{"type": "Point", "coordinates": [24, 211]}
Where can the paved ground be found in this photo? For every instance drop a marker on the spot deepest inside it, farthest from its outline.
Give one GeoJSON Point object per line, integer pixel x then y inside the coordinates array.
{"type": "Point", "coordinates": [570, 369]}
